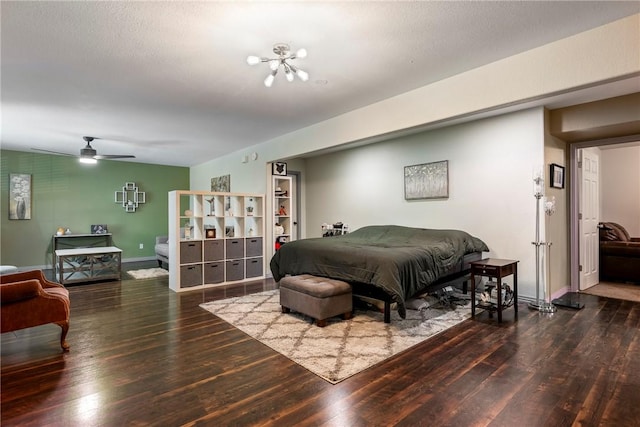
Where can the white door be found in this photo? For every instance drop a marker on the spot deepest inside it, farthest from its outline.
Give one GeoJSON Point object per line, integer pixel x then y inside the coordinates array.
{"type": "Point", "coordinates": [590, 216]}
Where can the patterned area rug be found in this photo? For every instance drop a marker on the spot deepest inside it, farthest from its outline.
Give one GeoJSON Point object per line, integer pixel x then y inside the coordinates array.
{"type": "Point", "coordinates": [148, 273]}
{"type": "Point", "coordinates": [342, 348]}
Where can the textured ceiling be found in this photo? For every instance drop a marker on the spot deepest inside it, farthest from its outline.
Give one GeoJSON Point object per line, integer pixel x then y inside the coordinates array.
{"type": "Point", "coordinates": [168, 81]}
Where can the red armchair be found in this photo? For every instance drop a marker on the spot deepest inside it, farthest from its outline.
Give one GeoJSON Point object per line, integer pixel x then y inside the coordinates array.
{"type": "Point", "coordinates": [28, 299]}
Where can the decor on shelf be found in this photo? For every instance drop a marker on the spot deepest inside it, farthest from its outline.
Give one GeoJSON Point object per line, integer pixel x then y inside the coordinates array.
{"type": "Point", "coordinates": [130, 197]}
{"type": "Point", "coordinates": [543, 305]}
{"type": "Point", "coordinates": [279, 168]}
{"type": "Point", "coordinates": [227, 206]}
{"type": "Point", "coordinates": [187, 230]}
{"type": "Point", "coordinates": [99, 229]}
{"type": "Point", "coordinates": [284, 58]}
{"type": "Point", "coordinates": [427, 181]}
{"type": "Point", "coordinates": [278, 229]}
{"type": "Point", "coordinates": [280, 240]}
{"type": "Point", "coordinates": [250, 207]}
{"type": "Point", "coordinates": [19, 196]}
{"type": "Point", "coordinates": [211, 208]}
{"type": "Point", "coordinates": [210, 233]}
{"type": "Point", "coordinates": [557, 175]}
{"type": "Point", "coordinates": [221, 183]}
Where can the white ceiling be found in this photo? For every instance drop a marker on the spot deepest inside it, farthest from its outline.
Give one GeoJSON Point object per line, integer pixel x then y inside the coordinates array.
{"type": "Point", "coordinates": [168, 81]}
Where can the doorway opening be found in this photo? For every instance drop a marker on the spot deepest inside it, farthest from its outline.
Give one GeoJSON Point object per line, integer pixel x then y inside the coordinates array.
{"type": "Point", "coordinates": [585, 208]}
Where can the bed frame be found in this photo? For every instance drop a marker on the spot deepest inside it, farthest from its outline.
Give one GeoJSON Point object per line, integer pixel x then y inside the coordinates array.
{"type": "Point", "coordinates": [460, 273]}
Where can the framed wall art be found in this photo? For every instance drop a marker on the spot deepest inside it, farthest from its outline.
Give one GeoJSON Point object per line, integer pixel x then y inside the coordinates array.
{"type": "Point", "coordinates": [556, 175]}
{"type": "Point", "coordinates": [427, 181]}
{"type": "Point", "coordinates": [279, 168]}
{"type": "Point", "coordinates": [19, 196]}
{"type": "Point", "coordinates": [221, 184]}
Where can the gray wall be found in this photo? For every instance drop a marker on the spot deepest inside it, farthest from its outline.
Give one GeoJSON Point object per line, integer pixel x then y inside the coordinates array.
{"type": "Point", "coordinates": [490, 185]}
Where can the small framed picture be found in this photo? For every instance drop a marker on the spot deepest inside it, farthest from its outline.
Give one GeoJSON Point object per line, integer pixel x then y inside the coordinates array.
{"type": "Point", "coordinates": [211, 233]}
{"type": "Point", "coordinates": [556, 175]}
{"type": "Point", "coordinates": [279, 168]}
{"type": "Point", "coordinates": [99, 229]}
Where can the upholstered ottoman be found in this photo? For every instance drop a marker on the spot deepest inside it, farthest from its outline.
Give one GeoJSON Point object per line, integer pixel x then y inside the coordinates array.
{"type": "Point", "coordinates": [317, 297]}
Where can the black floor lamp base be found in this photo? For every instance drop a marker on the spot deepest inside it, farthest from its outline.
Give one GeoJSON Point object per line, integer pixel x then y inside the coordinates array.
{"type": "Point", "coordinates": [569, 300]}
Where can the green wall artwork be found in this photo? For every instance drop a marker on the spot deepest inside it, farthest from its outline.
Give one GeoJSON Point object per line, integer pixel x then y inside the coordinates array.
{"type": "Point", "coordinates": [19, 196]}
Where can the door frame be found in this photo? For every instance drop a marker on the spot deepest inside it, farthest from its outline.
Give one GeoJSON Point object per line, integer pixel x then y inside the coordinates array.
{"type": "Point", "coordinates": [574, 201]}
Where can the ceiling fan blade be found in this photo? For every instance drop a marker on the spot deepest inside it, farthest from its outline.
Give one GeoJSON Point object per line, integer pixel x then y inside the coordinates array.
{"type": "Point", "coordinates": [112, 156]}
{"type": "Point", "coordinates": [53, 152]}
{"type": "Point", "coordinates": [88, 139]}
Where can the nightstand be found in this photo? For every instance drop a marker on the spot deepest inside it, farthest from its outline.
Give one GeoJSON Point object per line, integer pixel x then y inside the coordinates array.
{"type": "Point", "coordinates": [498, 269]}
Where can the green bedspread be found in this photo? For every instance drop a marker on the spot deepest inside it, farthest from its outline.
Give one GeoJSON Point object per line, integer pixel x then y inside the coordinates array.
{"type": "Point", "coordinates": [399, 260]}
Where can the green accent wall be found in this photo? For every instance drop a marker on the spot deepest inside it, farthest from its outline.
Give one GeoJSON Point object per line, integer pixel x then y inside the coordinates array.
{"type": "Point", "coordinates": [66, 193]}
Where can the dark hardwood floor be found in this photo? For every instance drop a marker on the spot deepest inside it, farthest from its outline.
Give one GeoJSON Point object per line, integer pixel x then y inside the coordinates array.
{"type": "Point", "coordinates": [143, 355]}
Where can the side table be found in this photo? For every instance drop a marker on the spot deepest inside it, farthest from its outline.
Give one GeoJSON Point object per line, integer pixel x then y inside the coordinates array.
{"type": "Point", "coordinates": [495, 268]}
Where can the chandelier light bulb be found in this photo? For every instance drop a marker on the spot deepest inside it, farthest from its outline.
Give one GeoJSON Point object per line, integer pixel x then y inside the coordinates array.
{"type": "Point", "coordinates": [303, 75]}
{"type": "Point", "coordinates": [253, 60]}
{"type": "Point", "coordinates": [274, 64]}
{"type": "Point", "coordinates": [270, 78]}
{"type": "Point", "coordinates": [301, 53]}
{"type": "Point", "coordinates": [288, 74]}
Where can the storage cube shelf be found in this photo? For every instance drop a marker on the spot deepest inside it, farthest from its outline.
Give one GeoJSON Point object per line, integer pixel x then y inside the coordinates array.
{"type": "Point", "coordinates": [214, 238]}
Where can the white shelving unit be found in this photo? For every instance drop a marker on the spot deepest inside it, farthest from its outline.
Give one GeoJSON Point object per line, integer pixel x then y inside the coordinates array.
{"type": "Point", "coordinates": [214, 239]}
{"type": "Point", "coordinates": [282, 205]}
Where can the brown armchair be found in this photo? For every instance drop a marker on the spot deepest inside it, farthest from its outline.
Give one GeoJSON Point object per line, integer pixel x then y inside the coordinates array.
{"type": "Point", "coordinates": [28, 299]}
{"type": "Point", "coordinates": [619, 254]}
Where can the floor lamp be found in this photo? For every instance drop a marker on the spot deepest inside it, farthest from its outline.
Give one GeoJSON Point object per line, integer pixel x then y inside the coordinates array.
{"type": "Point", "coordinates": [542, 305]}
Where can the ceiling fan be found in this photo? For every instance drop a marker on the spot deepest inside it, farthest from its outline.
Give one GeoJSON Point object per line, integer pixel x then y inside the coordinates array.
{"type": "Point", "coordinates": [88, 154]}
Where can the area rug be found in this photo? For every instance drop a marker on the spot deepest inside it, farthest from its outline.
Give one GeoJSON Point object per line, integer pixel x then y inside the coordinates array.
{"type": "Point", "coordinates": [342, 348]}
{"type": "Point", "coordinates": [148, 273]}
{"type": "Point", "coordinates": [623, 291]}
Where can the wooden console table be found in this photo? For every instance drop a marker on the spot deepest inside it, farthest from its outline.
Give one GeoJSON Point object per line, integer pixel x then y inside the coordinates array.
{"type": "Point", "coordinates": [495, 268]}
{"type": "Point", "coordinates": [76, 241]}
{"type": "Point", "coordinates": [88, 264]}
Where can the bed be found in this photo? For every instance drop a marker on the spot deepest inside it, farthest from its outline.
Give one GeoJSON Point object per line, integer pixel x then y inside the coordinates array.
{"type": "Point", "coordinates": [387, 262]}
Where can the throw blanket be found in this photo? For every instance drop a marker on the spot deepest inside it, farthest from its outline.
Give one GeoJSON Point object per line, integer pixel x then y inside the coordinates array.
{"type": "Point", "coordinates": [401, 261]}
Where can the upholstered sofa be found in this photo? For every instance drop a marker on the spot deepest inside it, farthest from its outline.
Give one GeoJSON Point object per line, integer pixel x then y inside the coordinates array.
{"type": "Point", "coordinates": [619, 254]}
{"type": "Point", "coordinates": [162, 250]}
{"type": "Point", "coordinates": [28, 299]}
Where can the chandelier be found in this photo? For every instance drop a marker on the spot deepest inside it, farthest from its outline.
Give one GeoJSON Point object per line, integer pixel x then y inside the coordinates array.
{"type": "Point", "coordinates": [284, 56]}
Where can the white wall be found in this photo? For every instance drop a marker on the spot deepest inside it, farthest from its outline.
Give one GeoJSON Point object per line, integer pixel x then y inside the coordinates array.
{"type": "Point", "coordinates": [490, 185]}
{"type": "Point", "coordinates": [620, 187]}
